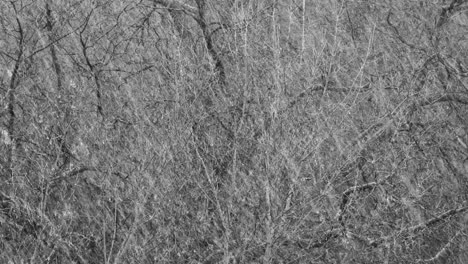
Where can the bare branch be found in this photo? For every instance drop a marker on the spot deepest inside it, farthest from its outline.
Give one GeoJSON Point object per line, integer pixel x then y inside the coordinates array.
{"type": "Point", "coordinates": [443, 250]}
{"type": "Point", "coordinates": [176, 5]}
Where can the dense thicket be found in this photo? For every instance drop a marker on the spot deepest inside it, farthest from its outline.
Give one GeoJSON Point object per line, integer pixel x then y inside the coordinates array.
{"type": "Point", "coordinates": [233, 131]}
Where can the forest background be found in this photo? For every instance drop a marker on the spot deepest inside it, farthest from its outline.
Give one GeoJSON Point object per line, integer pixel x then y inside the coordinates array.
{"type": "Point", "coordinates": [233, 131]}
